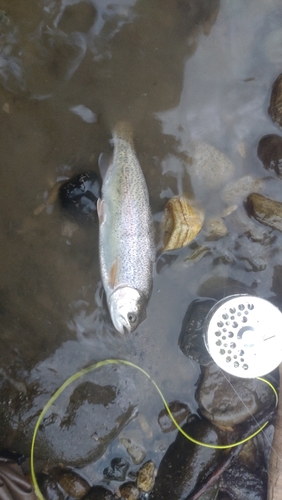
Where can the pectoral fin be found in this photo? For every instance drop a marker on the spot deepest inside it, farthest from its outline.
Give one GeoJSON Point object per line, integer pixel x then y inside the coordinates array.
{"type": "Point", "coordinates": [113, 274]}
{"type": "Point", "coordinates": [101, 210]}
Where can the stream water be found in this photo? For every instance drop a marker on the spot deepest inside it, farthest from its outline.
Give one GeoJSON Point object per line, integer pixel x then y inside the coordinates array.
{"type": "Point", "coordinates": [180, 71]}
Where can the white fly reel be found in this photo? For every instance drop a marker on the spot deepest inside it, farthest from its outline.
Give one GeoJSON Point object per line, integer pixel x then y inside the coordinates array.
{"type": "Point", "coordinates": [243, 335]}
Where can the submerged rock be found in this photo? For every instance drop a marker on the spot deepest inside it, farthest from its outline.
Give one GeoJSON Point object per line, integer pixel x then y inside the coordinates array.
{"type": "Point", "coordinates": [210, 168]}
{"type": "Point", "coordinates": [265, 210]}
{"type": "Point", "coordinates": [226, 400]}
{"type": "Point", "coordinates": [275, 106]}
{"type": "Point", "coordinates": [180, 412]}
{"type": "Point", "coordinates": [78, 196]}
{"type": "Point", "coordinates": [237, 190]}
{"type": "Point", "coordinates": [135, 450]}
{"type": "Point", "coordinates": [117, 470]}
{"type": "Point", "coordinates": [270, 153]}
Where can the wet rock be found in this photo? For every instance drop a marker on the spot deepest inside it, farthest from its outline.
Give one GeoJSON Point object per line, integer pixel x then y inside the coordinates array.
{"type": "Point", "coordinates": [99, 493]}
{"type": "Point", "coordinates": [146, 476]}
{"type": "Point", "coordinates": [185, 463]}
{"type": "Point", "coordinates": [79, 195]}
{"type": "Point", "coordinates": [218, 287]}
{"type": "Point", "coordinates": [129, 491]}
{"type": "Point", "coordinates": [135, 450]}
{"type": "Point", "coordinates": [226, 400]}
{"type": "Point", "coordinates": [265, 210]}
{"type": "Point", "coordinates": [70, 482]}
{"type": "Point", "coordinates": [117, 470]}
{"type": "Point", "coordinates": [77, 17]}
{"type": "Point", "coordinates": [210, 168]}
{"type": "Point", "coordinates": [191, 339]}
{"type": "Point", "coordinates": [242, 483]}
{"type": "Point", "coordinates": [270, 153]}
{"type": "Point", "coordinates": [93, 416]}
{"type": "Point", "coordinates": [180, 412]}
{"type": "Point", "coordinates": [237, 190]}
{"type": "Point", "coordinates": [275, 106]}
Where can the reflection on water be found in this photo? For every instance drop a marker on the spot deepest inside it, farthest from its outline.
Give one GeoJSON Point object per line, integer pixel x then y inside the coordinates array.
{"type": "Point", "coordinates": [182, 72]}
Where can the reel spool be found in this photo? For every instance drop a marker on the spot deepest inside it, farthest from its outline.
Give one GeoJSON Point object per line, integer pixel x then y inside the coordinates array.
{"type": "Point", "coordinates": [243, 335]}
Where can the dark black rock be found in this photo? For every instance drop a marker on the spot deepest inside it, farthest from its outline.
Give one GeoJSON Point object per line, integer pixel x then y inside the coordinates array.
{"type": "Point", "coordinates": [270, 153]}
{"type": "Point", "coordinates": [185, 463]}
{"type": "Point", "coordinates": [79, 195]}
{"type": "Point", "coordinates": [191, 340]}
{"type": "Point", "coordinates": [117, 470]}
{"type": "Point", "coordinates": [241, 483]}
{"type": "Point", "coordinates": [275, 106]}
{"type": "Point", "coordinates": [99, 493]}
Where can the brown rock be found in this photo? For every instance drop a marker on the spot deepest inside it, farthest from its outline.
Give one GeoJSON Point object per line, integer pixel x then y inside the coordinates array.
{"type": "Point", "coordinates": [265, 210]}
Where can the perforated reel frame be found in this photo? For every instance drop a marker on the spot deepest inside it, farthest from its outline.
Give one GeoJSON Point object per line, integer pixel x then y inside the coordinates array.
{"type": "Point", "coordinates": [243, 335]}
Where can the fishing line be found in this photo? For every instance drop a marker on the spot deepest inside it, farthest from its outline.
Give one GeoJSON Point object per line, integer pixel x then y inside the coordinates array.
{"type": "Point", "coordinates": [105, 362]}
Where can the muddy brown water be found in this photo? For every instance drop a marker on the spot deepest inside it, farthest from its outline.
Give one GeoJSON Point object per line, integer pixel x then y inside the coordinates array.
{"type": "Point", "coordinates": [179, 71]}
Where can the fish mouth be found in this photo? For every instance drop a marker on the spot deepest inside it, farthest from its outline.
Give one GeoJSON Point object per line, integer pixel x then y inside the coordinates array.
{"type": "Point", "coordinates": [122, 326]}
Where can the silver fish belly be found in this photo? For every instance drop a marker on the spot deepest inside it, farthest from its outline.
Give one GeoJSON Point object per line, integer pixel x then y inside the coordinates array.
{"type": "Point", "coordinates": [126, 234]}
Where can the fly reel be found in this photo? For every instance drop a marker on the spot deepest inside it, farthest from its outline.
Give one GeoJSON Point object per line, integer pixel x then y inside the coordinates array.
{"type": "Point", "coordinates": [243, 335]}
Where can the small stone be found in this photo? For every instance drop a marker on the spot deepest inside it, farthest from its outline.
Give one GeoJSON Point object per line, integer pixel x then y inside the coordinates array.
{"type": "Point", "coordinates": [135, 451]}
{"type": "Point", "coordinates": [129, 491]}
{"type": "Point", "coordinates": [146, 476]}
{"type": "Point", "coordinates": [237, 190]}
{"type": "Point", "coordinates": [275, 107]}
{"type": "Point", "coordinates": [6, 107]}
{"type": "Point", "coordinates": [144, 424]}
{"type": "Point", "coordinates": [74, 485]}
{"type": "Point", "coordinates": [117, 470]}
{"type": "Point", "coordinates": [241, 148]}
{"type": "Point", "coordinates": [270, 153]}
{"type": "Point", "coordinates": [216, 227]}
{"type": "Point", "coordinates": [180, 412]}
{"type": "Point", "coordinates": [265, 210]}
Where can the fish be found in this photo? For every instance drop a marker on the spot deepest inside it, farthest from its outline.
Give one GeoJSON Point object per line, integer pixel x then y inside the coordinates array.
{"type": "Point", "coordinates": [126, 239]}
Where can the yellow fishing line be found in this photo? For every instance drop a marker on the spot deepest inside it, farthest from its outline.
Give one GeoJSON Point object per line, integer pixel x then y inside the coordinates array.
{"type": "Point", "coordinates": [99, 364]}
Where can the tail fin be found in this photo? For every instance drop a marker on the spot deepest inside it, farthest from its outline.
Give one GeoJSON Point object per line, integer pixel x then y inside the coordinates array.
{"type": "Point", "coordinates": [123, 130]}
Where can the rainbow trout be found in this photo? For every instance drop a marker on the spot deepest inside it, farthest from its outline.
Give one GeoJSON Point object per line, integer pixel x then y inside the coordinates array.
{"type": "Point", "coordinates": [126, 234]}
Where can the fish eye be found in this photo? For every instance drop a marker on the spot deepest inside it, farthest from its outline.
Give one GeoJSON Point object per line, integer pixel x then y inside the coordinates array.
{"type": "Point", "coordinates": [132, 318]}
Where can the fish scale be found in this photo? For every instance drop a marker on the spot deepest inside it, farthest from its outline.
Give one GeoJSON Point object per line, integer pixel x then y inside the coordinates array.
{"type": "Point", "coordinates": [126, 228]}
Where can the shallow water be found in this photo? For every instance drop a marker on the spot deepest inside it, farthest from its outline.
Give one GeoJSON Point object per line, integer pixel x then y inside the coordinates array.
{"type": "Point", "coordinates": [179, 71]}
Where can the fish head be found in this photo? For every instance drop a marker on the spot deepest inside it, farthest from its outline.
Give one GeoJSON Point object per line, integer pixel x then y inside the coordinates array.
{"type": "Point", "coordinates": [125, 305]}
